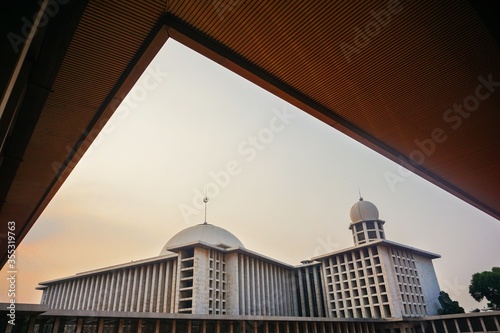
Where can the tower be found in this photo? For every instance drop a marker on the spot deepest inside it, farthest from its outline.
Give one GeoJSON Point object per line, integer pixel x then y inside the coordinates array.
{"type": "Point", "coordinates": [365, 224]}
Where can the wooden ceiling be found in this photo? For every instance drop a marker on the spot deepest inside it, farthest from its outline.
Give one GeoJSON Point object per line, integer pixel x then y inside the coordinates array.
{"type": "Point", "coordinates": [398, 76]}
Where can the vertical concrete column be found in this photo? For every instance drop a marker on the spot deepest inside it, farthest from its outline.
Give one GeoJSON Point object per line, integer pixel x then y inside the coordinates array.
{"type": "Point", "coordinates": [309, 291]}
{"type": "Point", "coordinates": [232, 284]}
{"type": "Point", "coordinates": [126, 300]}
{"type": "Point", "coordinates": [258, 299]}
{"type": "Point", "coordinates": [160, 293]}
{"type": "Point", "coordinates": [200, 280]}
{"type": "Point", "coordinates": [134, 290]}
{"type": "Point", "coordinates": [495, 318]}
{"type": "Point", "coordinates": [74, 295]}
{"type": "Point", "coordinates": [139, 326]}
{"type": "Point", "coordinates": [108, 296]}
{"type": "Point", "coordinates": [157, 322]}
{"type": "Point", "coordinates": [88, 305]}
{"type": "Point", "coordinates": [95, 299]}
{"type": "Point", "coordinates": [69, 294]}
{"type": "Point", "coordinates": [241, 287]}
{"type": "Point", "coordinates": [105, 291]}
{"type": "Point", "coordinates": [61, 298]}
{"type": "Point", "coordinates": [301, 292]}
{"type": "Point", "coordinates": [79, 325]}
{"type": "Point", "coordinates": [57, 322]}
{"type": "Point", "coordinates": [81, 293]}
{"type": "Point", "coordinates": [31, 324]}
{"type": "Point", "coordinates": [288, 293]}
{"type": "Point", "coordinates": [294, 291]}
{"type": "Point", "coordinates": [117, 290]}
{"type": "Point", "coordinates": [154, 289]}
{"type": "Point", "coordinates": [480, 320]}
{"type": "Point", "coordinates": [52, 296]}
{"type": "Point", "coordinates": [246, 276]}
{"type": "Point", "coordinates": [279, 292]}
{"type": "Point", "coordinates": [253, 300]}
{"type": "Point", "coordinates": [318, 290]}
{"type": "Point", "coordinates": [120, 326]}
{"type": "Point", "coordinates": [148, 288]}
{"type": "Point", "coordinates": [174, 304]}
{"type": "Point", "coordinates": [272, 289]}
{"type": "Point", "coordinates": [140, 288]}
{"type": "Point", "coordinates": [83, 305]}
{"type": "Point", "coordinates": [166, 286]}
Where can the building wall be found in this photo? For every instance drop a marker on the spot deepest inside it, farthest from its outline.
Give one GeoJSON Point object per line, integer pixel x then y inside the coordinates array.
{"type": "Point", "coordinates": [265, 289]}
{"type": "Point", "coordinates": [407, 284]}
{"type": "Point", "coordinates": [374, 281]}
{"type": "Point", "coordinates": [144, 288]}
{"type": "Point", "coordinates": [310, 291]}
{"type": "Point", "coordinates": [356, 286]}
{"type": "Point", "coordinates": [232, 280]}
{"type": "Point", "coordinates": [429, 282]}
{"type": "Point", "coordinates": [391, 282]}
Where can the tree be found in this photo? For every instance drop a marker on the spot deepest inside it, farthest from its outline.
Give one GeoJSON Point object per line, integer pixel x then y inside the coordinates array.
{"type": "Point", "coordinates": [486, 285]}
{"type": "Point", "coordinates": [448, 306]}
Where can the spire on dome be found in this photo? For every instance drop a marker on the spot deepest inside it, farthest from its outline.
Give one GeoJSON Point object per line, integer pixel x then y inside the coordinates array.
{"type": "Point", "coordinates": [205, 200]}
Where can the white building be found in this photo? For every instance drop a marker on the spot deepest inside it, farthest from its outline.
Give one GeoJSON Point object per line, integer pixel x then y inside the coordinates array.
{"type": "Point", "coordinates": [205, 269]}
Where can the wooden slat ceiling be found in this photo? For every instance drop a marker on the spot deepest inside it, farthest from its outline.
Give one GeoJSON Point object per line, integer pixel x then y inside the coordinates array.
{"type": "Point", "coordinates": [387, 90]}
{"type": "Point", "coordinates": [394, 88]}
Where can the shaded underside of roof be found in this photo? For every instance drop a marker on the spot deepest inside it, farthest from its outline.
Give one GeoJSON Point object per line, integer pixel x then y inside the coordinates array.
{"type": "Point", "coordinates": [415, 81]}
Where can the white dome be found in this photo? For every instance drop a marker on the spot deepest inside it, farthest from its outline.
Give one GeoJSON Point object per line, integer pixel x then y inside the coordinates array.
{"type": "Point", "coordinates": [363, 211]}
{"type": "Point", "coordinates": [206, 233]}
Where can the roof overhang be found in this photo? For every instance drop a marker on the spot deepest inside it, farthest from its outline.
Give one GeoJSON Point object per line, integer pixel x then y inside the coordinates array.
{"type": "Point", "coordinates": [382, 242]}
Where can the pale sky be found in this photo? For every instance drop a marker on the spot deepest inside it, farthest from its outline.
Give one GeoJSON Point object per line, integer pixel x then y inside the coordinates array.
{"type": "Point", "coordinates": [286, 183]}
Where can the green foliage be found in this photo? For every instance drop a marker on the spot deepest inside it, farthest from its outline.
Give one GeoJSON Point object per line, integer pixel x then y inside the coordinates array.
{"type": "Point", "coordinates": [448, 306]}
{"type": "Point", "coordinates": [486, 285]}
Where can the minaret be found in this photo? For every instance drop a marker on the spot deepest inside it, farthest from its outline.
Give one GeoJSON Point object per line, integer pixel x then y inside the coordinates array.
{"type": "Point", "coordinates": [365, 224]}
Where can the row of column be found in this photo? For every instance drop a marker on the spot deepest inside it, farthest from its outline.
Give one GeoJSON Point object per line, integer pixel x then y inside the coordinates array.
{"type": "Point", "coordinates": [202, 326]}
{"type": "Point", "coordinates": [310, 287]}
{"type": "Point", "coordinates": [144, 288]}
{"type": "Point", "coordinates": [265, 289]}
{"type": "Point", "coordinates": [28, 323]}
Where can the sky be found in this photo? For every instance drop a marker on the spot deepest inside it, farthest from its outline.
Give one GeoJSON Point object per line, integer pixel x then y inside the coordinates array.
{"type": "Point", "coordinates": [279, 179]}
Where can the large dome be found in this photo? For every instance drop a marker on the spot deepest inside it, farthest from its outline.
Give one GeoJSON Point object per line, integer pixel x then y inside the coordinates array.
{"type": "Point", "coordinates": [363, 211]}
{"type": "Point", "coordinates": [206, 233]}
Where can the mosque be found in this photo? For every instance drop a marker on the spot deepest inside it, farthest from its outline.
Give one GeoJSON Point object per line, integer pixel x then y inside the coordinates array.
{"type": "Point", "coordinates": [206, 270]}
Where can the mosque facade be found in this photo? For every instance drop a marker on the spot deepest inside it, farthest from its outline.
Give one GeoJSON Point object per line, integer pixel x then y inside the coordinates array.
{"type": "Point", "coordinates": [206, 270]}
